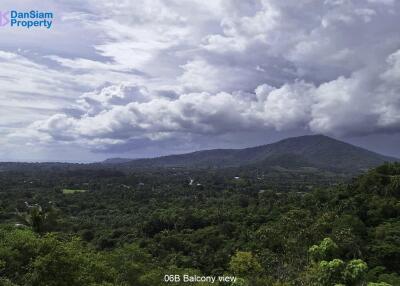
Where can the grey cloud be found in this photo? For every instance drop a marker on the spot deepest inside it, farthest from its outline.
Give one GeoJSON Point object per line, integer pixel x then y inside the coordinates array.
{"type": "Point", "coordinates": [369, 98]}
{"type": "Point", "coordinates": [172, 71]}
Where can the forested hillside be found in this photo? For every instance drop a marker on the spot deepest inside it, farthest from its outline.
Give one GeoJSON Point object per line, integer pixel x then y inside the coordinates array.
{"type": "Point", "coordinates": [316, 151]}
{"type": "Point", "coordinates": [111, 228]}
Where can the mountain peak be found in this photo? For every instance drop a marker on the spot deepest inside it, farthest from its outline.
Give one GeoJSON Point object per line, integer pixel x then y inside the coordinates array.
{"type": "Point", "coordinates": [318, 151]}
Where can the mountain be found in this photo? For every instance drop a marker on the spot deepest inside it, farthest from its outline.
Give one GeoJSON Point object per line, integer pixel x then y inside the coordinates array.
{"type": "Point", "coordinates": [116, 160]}
{"type": "Point", "coordinates": [316, 151]}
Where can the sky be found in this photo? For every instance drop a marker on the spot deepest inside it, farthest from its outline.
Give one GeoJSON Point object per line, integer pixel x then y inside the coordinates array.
{"type": "Point", "coordinates": [149, 78]}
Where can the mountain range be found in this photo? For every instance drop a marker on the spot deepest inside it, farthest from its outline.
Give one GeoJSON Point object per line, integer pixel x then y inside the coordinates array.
{"type": "Point", "coordinates": [316, 151]}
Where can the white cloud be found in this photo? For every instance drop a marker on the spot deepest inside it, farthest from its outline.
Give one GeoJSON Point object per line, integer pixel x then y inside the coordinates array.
{"type": "Point", "coordinates": [160, 70]}
{"type": "Point", "coordinates": [120, 114]}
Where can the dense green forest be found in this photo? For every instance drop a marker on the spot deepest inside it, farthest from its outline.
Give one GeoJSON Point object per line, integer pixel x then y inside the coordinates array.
{"type": "Point", "coordinates": [107, 227]}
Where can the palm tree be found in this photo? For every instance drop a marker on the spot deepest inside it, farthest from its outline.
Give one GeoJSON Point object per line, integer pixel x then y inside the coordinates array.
{"type": "Point", "coordinates": [37, 218]}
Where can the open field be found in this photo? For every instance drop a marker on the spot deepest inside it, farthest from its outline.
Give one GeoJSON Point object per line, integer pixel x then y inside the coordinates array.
{"type": "Point", "coordinates": [72, 191]}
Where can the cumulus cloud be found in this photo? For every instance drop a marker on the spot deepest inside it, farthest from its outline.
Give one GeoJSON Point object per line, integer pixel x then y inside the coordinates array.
{"type": "Point", "coordinates": [119, 114]}
{"type": "Point", "coordinates": [163, 71]}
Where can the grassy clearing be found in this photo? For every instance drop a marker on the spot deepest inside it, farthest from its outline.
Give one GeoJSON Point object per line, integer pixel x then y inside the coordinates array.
{"type": "Point", "coordinates": [72, 191]}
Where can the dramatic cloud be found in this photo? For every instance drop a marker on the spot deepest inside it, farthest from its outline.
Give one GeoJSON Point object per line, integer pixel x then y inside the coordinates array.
{"type": "Point", "coordinates": [163, 74]}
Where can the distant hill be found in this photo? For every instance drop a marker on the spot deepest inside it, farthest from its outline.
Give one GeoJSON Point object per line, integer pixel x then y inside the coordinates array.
{"type": "Point", "coordinates": [116, 160]}
{"type": "Point", "coordinates": [316, 151]}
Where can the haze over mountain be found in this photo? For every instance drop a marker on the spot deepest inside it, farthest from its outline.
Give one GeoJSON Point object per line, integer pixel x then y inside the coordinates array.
{"type": "Point", "coordinates": [317, 151]}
